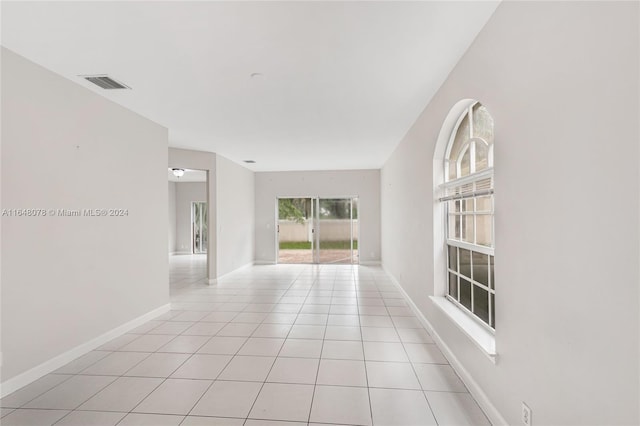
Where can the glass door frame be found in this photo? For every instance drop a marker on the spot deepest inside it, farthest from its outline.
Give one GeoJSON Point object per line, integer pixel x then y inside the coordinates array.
{"type": "Point", "coordinates": [316, 226]}
{"type": "Point", "coordinates": [199, 247]}
{"type": "Point", "coordinates": [353, 200]}
{"type": "Point", "coordinates": [312, 220]}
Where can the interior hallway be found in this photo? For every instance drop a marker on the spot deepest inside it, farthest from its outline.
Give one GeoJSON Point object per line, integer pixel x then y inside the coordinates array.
{"type": "Point", "coordinates": [300, 344]}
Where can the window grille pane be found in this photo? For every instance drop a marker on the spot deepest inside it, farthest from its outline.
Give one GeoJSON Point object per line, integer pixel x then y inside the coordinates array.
{"type": "Point", "coordinates": [453, 285]}
{"type": "Point", "coordinates": [454, 227]}
{"type": "Point", "coordinates": [451, 226]}
{"type": "Point", "coordinates": [492, 286]}
{"type": "Point", "coordinates": [484, 204]}
{"type": "Point", "coordinates": [465, 262]}
{"type": "Point", "coordinates": [482, 156]}
{"type": "Point", "coordinates": [453, 258]}
{"type": "Point", "coordinates": [482, 124]}
{"type": "Point", "coordinates": [465, 164]}
{"type": "Point", "coordinates": [453, 169]}
{"type": "Point", "coordinates": [465, 293]}
{"type": "Point", "coordinates": [481, 268]}
{"type": "Point", "coordinates": [484, 231]}
{"type": "Point", "coordinates": [481, 303]}
{"type": "Point", "coordinates": [493, 310]}
{"type": "Point", "coordinates": [467, 205]}
{"type": "Point", "coordinates": [467, 229]}
{"type": "Point", "coordinates": [459, 142]}
{"type": "Point", "coordinates": [454, 206]}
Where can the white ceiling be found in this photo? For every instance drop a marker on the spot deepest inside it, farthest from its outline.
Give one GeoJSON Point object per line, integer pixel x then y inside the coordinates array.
{"type": "Point", "coordinates": [342, 82]}
{"type": "Point", "coordinates": [189, 176]}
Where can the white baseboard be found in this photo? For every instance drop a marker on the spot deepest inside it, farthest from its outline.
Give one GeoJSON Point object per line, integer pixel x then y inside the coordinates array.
{"type": "Point", "coordinates": [476, 391]}
{"type": "Point", "coordinates": [370, 262]}
{"type": "Point", "coordinates": [53, 364]}
{"type": "Point", "coordinates": [215, 280]}
{"type": "Point", "coordinates": [263, 262]}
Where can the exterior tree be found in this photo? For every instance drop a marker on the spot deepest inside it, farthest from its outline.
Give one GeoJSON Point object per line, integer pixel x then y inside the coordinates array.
{"type": "Point", "coordinates": [292, 209]}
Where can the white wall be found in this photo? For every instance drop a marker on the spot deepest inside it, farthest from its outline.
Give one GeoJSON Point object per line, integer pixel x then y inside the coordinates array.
{"type": "Point", "coordinates": [561, 81]}
{"type": "Point", "coordinates": [187, 193]}
{"type": "Point", "coordinates": [172, 217]}
{"type": "Point", "coordinates": [364, 184]}
{"type": "Point", "coordinates": [68, 280]}
{"type": "Point", "coordinates": [235, 215]}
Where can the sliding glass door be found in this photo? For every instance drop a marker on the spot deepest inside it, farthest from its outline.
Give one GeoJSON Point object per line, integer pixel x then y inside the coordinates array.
{"type": "Point", "coordinates": [295, 230]}
{"type": "Point", "coordinates": [318, 230]}
{"type": "Point", "coordinates": [336, 242]}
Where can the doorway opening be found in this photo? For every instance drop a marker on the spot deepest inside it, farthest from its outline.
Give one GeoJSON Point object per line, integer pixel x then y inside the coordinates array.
{"type": "Point", "coordinates": [318, 230]}
{"type": "Point", "coordinates": [189, 256]}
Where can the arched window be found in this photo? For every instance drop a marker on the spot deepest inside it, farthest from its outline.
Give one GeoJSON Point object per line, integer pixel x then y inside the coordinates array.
{"type": "Point", "coordinates": [467, 198]}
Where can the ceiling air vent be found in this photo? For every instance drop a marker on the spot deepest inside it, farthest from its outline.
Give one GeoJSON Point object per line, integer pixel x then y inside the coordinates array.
{"type": "Point", "coordinates": [105, 82]}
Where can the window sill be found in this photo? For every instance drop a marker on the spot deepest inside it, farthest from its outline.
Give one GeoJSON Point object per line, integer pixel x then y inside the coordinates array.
{"type": "Point", "coordinates": [482, 338]}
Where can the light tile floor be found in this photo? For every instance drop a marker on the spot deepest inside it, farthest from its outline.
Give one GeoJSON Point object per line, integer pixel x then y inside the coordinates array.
{"type": "Point", "coordinates": [268, 345]}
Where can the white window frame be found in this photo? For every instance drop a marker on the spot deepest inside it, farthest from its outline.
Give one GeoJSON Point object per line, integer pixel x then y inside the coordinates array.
{"type": "Point", "coordinates": [480, 336]}
{"type": "Point", "coordinates": [469, 180]}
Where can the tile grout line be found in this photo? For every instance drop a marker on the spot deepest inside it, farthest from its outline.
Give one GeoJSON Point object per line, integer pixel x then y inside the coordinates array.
{"type": "Point", "coordinates": [154, 389]}
{"type": "Point", "coordinates": [364, 361]}
{"type": "Point", "coordinates": [315, 384]}
{"type": "Point", "coordinates": [207, 389]}
{"type": "Point", "coordinates": [83, 375]}
{"type": "Point", "coordinates": [221, 370]}
{"type": "Point", "coordinates": [276, 357]}
{"type": "Point", "coordinates": [164, 379]}
{"type": "Point", "coordinates": [246, 297]}
{"type": "Point", "coordinates": [404, 348]}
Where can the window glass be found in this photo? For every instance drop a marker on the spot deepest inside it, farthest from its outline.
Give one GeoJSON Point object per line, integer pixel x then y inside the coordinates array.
{"type": "Point", "coordinates": [491, 271]}
{"type": "Point", "coordinates": [453, 285]}
{"type": "Point", "coordinates": [482, 155]}
{"type": "Point", "coordinates": [465, 262]}
{"type": "Point", "coordinates": [483, 204]}
{"type": "Point", "coordinates": [467, 228]}
{"type": "Point", "coordinates": [480, 268]}
{"type": "Point", "coordinates": [484, 231]}
{"type": "Point", "coordinates": [482, 123]}
{"type": "Point", "coordinates": [465, 293]}
{"type": "Point", "coordinates": [454, 227]}
{"type": "Point", "coordinates": [453, 258]}
{"type": "Point", "coordinates": [468, 205]}
{"type": "Point", "coordinates": [481, 303]}
{"type": "Point", "coordinates": [493, 310]}
{"type": "Point", "coordinates": [460, 141]}
{"type": "Point", "coordinates": [465, 163]}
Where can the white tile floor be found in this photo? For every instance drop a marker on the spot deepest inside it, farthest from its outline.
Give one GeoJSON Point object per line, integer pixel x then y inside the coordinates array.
{"type": "Point", "coordinates": [269, 345]}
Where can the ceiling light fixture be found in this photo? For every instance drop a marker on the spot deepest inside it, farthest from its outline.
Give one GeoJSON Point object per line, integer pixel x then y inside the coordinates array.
{"type": "Point", "coordinates": [178, 172]}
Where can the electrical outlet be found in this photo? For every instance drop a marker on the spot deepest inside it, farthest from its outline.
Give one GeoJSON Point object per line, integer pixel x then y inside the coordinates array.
{"type": "Point", "coordinates": [526, 415]}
